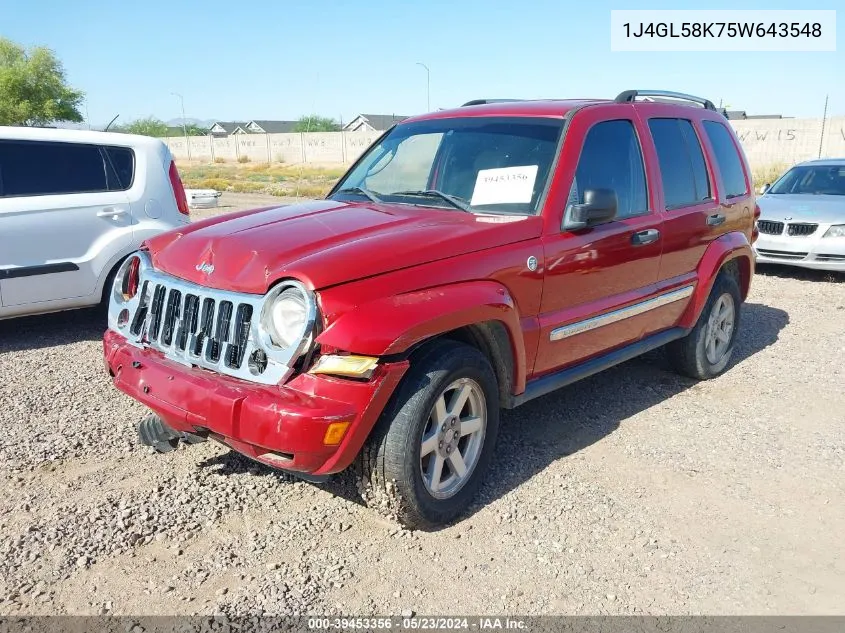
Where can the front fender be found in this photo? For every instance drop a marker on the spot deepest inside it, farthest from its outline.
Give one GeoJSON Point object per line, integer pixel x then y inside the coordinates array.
{"type": "Point", "coordinates": [728, 247]}
{"type": "Point", "coordinates": [393, 325]}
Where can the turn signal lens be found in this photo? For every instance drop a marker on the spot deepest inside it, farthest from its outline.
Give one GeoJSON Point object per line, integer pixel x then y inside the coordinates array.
{"type": "Point", "coordinates": [355, 366]}
{"type": "Point", "coordinates": [335, 433]}
{"type": "Point", "coordinates": [129, 288]}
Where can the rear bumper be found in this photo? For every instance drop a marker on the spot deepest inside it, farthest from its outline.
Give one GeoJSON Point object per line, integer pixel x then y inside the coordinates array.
{"type": "Point", "coordinates": [282, 426]}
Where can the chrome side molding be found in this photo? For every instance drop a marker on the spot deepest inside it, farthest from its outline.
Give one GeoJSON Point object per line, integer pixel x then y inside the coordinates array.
{"type": "Point", "coordinates": [579, 327]}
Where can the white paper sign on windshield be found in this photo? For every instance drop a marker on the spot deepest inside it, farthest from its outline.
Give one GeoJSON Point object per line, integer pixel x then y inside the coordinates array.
{"type": "Point", "coordinates": [504, 185]}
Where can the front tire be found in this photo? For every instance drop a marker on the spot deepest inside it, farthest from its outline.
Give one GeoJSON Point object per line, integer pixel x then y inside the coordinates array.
{"type": "Point", "coordinates": [434, 443]}
{"type": "Point", "coordinates": [706, 351]}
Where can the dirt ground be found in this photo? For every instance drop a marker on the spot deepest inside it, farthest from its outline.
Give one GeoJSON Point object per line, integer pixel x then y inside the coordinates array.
{"type": "Point", "coordinates": [635, 491]}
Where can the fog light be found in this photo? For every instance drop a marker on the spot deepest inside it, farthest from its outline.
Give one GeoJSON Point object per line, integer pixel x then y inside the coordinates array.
{"type": "Point", "coordinates": [123, 318]}
{"type": "Point", "coordinates": [335, 433]}
{"type": "Point", "coordinates": [257, 362]}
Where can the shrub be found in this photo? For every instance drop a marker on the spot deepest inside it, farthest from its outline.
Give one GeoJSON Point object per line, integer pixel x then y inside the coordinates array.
{"type": "Point", "coordinates": [767, 174]}
{"type": "Point", "coordinates": [219, 184]}
{"type": "Point", "coordinates": [243, 159]}
{"type": "Point", "coordinates": [245, 186]}
{"type": "Point", "coordinates": [219, 159]}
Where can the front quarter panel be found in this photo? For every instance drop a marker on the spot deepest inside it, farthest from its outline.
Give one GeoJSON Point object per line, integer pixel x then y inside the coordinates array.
{"type": "Point", "coordinates": [395, 324]}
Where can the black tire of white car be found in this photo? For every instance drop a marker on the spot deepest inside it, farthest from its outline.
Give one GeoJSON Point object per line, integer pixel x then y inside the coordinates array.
{"type": "Point", "coordinates": [392, 462]}
{"type": "Point", "coordinates": [689, 355]}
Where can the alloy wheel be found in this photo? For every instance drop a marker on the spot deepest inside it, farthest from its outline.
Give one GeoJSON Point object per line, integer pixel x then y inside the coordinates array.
{"type": "Point", "coordinates": [720, 327]}
{"type": "Point", "coordinates": [453, 438]}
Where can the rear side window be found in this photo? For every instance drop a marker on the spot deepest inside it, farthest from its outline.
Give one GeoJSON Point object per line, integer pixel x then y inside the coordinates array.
{"type": "Point", "coordinates": [31, 168]}
{"type": "Point", "coordinates": [122, 161]}
{"type": "Point", "coordinates": [727, 159]}
{"type": "Point", "coordinates": [612, 159]}
{"type": "Point", "coordinates": [683, 171]}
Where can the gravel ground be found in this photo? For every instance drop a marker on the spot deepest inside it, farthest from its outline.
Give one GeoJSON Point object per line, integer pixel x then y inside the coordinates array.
{"type": "Point", "coordinates": [632, 492]}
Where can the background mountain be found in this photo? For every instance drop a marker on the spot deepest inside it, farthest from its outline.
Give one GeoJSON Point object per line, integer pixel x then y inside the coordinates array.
{"type": "Point", "coordinates": [204, 123]}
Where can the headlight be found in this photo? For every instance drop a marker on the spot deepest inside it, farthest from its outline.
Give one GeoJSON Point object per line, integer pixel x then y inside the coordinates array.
{"type": "Point", "coordinates": [837, 230]}
{"type": "Point", "coordinates": [288, 316]}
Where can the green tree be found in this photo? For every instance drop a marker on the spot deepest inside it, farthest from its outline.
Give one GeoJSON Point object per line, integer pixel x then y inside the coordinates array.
{"type": "Point", "coordinates": [148, 127]}
{"type": "Point", "coordinates": [314, 123]}
{"type": "Point", "coordinates": [33, 90]}
{"type": "Point", "coordinates": [195, 130]}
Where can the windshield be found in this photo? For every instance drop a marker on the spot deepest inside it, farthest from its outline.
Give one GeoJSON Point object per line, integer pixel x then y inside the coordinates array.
{"type": "Point", "coordinates": [812, 179]}
{"type": "Point", "coordinates": [476, 164]}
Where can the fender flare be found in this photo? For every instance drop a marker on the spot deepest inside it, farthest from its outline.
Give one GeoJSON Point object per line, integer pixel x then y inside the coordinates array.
{"type": "Point", "coordinates": [730, 247]}
{"type": "Point", "coordinates": [393, 326]}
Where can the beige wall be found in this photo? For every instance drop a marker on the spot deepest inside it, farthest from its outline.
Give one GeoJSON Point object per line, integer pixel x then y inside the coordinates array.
{"type": "Point", "coordinates": [766, 142]}
{"type": "Point", "coordinates": [311, 147]}
{"type": "Point", "coordinates": [788, 141]}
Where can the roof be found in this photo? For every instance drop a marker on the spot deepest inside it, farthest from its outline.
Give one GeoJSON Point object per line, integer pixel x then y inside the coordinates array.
{"type": "Point", "coordinates": [274, 127]}
{"type": "Point", "coordinates": [556, 108]}
{"type": "Point", "coordinates": [833, 162]}
{"type": "Point", "coordinates": [552, 108]}
{"type": "Point", "coordinates": [77, 136]}
{"type": "Point", "coordinates": [229, 126]}
{"type": "Point", "coordinates": [382, 121]}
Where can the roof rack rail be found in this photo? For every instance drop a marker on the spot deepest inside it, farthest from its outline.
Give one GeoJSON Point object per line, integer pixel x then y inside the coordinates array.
{"type": "Point", "coordinates": [628, 96]}
{"type": "Point", "coordinates": [484, 101]}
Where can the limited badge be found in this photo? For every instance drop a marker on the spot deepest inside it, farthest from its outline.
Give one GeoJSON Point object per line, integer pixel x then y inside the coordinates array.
{"type": "Point", "coordinates": [532, 263]}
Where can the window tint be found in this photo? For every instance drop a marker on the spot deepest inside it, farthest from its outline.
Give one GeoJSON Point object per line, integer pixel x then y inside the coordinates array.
{"type": "Point", "coordinates": [493, 164]}
{"type": "Point", "coordinates": [407, 168]}
{"type": "Point", "coordinates": [682, 169]}
{"type": "Point", "coordinates": [696, 154]}
{"type": "Point", "coordinates": [31, 168]}
{"type": "Point", "coordinates": [826, 180]}
{"type": "Point", "coordinates": [611, 159]}
{"type": "Point", "coordinates": [123, 162]}
{"type": "Point", "coordinates": [727, 159]}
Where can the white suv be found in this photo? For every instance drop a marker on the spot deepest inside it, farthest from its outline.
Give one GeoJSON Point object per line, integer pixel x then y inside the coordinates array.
{"type": "Point", "coordinates": [73, 205]}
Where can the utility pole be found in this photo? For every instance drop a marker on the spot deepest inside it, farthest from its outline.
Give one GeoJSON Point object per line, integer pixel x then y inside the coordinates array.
{"type": "Point", "coordinates": [427, 86]}
{"type": "Point", "coordinates": [824, 120]}
{"type": "Point", "coordinates": [184, 124]}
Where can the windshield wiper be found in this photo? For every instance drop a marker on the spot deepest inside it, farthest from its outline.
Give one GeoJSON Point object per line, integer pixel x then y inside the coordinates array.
{"type": "Point", "coordinates": [455, 201]}
{"type": "Point", "coordinates": [360, 190]}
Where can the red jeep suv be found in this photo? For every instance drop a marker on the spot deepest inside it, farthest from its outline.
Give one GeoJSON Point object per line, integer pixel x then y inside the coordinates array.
{"type": "Point", "coordinates": [471, 259]}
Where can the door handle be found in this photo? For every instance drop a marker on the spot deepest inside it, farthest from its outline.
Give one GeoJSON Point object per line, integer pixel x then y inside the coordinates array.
{"type": "Point", "coordinates": [645, 237]}
{"type": "Point", "coordinates": [716, 219]}
{"type": "Point", "coordinates": [111, 212]}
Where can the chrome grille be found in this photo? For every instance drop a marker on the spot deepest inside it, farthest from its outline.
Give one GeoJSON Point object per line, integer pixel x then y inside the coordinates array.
{"type": "Point", "coordinates": [204, 330]}
{"type": "Point", "coordinates": [769, 227]}
{"type": "Point", "coordinates": [801, 229]}
{"type": "Point", "coordinates": [205, 327]}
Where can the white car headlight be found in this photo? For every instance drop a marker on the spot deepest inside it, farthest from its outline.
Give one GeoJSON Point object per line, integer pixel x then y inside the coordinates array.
{"type": "Point", "coordinates": [837, 230]}
{"type": "Point", "coordinates": [288, 316]}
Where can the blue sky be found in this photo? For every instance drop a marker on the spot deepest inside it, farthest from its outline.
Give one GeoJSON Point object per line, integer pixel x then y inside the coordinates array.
{"type": "Point", "coordinates": [279, 59]}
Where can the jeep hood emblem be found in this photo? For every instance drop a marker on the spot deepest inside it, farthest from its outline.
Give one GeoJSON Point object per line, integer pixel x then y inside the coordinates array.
{"type": "Point", "coordinates": [205, 267]}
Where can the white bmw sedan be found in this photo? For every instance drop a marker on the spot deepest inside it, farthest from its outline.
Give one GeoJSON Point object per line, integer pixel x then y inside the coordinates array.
{"type": "Point", "coordinates": [802, 219]}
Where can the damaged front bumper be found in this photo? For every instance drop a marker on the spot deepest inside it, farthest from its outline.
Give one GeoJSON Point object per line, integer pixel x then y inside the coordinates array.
{"type": "Point", "coordinates": [283, 426]}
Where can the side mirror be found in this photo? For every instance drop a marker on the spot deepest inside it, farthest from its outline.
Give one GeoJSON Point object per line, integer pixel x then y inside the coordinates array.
{"type": "Point", "coordinates": [764, 188]}
{"type": "Point", "coordinates": [599, 206]}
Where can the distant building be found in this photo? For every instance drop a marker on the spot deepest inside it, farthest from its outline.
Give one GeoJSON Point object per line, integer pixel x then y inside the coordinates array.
{"type": "Point", "coordinates": [373, 122]}
{"type": "Point", "coordinates": [267, 127]}
{"type": "Point", "coordinates": [741, 115]}
{"type": "Point", "coordinates": [225, 128]}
